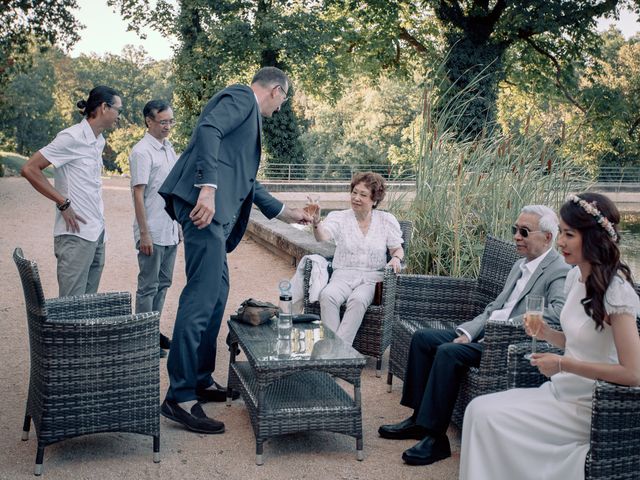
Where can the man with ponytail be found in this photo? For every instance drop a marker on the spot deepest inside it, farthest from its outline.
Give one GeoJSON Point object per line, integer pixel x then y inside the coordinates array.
{"type": "Point", "coordinates": [79, 228]}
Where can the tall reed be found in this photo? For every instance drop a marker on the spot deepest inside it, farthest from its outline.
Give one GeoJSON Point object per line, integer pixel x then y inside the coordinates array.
{"type": "Point", "coordinates": [469, 188]}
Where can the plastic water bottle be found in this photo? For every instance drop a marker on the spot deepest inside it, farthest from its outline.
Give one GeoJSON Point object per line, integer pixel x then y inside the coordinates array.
{"type": "Point", "coordinates": [285, 317]}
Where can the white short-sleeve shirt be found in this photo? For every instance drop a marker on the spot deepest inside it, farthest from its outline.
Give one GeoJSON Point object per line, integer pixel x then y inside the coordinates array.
{"type": "Point", "coordinates": [76, 154]}
{"type": "Point", "coordinates": [150, 162]}
{"type": "Point", "coordinates": [357, 251]}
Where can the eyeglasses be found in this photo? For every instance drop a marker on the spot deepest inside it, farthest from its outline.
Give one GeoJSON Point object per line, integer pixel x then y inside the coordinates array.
{"type": "Point", "coordinates": [117, 109]}
{"type": "Point", "coordinates": [166, 123]}
{"type": "Point", "coordinates": [524, 232]}
{"type": "Point", "coordinates": [283, 92]}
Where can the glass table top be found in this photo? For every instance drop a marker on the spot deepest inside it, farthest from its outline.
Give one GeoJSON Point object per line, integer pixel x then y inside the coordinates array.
{"type": "Point", "coordinates": [303, 342]}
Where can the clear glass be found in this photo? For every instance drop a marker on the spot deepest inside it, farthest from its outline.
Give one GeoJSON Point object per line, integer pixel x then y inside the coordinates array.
{"type": "Point", "coordinates": [313, 205]}
{"type": "Point", "coordinates": [306, 343]}
{"type": "Point", "coordinates": [534, 321]}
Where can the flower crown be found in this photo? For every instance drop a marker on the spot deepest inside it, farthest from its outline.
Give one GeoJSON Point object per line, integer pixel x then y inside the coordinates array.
{"type": "Point", "coordinates": [592, 210]}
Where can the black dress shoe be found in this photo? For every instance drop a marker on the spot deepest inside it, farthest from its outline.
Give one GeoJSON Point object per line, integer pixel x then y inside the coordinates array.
{"type": "Point", "coordinates": [165, 343]}
{"type": "Point", "coordinates": [196, 420]}
{"type": "Point", "coordinates": [428, 450]}
{"type": "Point", "coordinates": [216, 394]}
{"type": "Point", "coordinates": [403, 430]}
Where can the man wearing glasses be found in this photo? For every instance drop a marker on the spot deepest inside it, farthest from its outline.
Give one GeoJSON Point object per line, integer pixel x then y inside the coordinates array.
{"type": "Point", "coordinates": [438, 358]}
{"type": "Point", "coordinates": [79, 228]}
{"type": "Point", "coordinates": [210, 191]}
{"type": "Point", "coordinates": [155, 233]}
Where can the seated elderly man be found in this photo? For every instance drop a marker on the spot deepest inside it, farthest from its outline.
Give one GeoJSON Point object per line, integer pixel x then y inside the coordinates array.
{"type": "Point", "coordinates": [438, 358]}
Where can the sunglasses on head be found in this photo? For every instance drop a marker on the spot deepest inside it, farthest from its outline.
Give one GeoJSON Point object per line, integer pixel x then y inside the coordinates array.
{"type": "Point", "coordinates": [524, 232]}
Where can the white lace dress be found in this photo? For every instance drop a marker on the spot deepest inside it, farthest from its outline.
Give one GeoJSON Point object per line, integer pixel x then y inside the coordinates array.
{"type": "Point", "coordinates": [543, 433]}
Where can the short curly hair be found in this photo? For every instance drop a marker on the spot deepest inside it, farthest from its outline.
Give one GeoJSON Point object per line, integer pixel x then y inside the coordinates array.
{"type": "Point", "coordinates": [374, 182]}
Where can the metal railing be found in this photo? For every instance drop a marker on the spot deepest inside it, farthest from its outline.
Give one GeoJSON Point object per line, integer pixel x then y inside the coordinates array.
{"type": "Point", "coordinates": [618, 174]}
{"type": "Point", "coordinates": [297, 172]}
{"type": "Point", "coordinates": [328, 173]}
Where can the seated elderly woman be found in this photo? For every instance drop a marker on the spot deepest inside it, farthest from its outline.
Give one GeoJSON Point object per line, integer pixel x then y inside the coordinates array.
{"type": "Point", "coordinates": [362, 236]}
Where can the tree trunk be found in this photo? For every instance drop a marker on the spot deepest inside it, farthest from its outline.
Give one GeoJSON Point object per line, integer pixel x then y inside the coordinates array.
{"type": "Point", "coordinates": [281, 133]}
{"type": "Point", "coordinates": [474, 68]}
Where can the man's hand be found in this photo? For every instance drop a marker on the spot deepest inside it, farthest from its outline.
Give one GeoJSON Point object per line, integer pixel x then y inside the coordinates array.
{"type": "Point", "coordinates": [202, 214]}
{"type": "Point", "coordinates": [71, 219]}
{"type": "Point", "coordinates": [295, 215]}
{"type": "Point", "coordinates": [146, 244]}
{"type": "Point", "coordinates": [461, 339]}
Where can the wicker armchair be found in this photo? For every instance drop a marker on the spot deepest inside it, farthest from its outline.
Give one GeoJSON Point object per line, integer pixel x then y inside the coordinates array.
{"type": "Point", "coordinates": [444, 302]}
{"type": "Point", "coordinates": [374, 335]}
{"type": "Point", "coordinates": [94, 366]}
{"type": "Point", "coordinates": [615, 418]}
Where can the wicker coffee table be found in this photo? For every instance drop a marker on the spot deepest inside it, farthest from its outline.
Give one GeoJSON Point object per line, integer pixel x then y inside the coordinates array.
{"type": "Point", "coordinates": [289, 385]}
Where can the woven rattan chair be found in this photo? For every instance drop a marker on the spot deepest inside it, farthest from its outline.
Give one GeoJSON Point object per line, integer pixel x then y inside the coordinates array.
{"type": "Point", "coordinates": [374, 335]}
{"type": "Point", "coordinates": [94, 366]}
{"type": "Point", "coordinates": [424, 301]}
{"type": "Point", "coordinates": [615, 418]}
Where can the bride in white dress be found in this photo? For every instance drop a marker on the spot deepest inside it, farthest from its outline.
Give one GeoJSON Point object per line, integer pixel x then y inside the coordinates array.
{"type": "Point", "coordinates": [543, 433]}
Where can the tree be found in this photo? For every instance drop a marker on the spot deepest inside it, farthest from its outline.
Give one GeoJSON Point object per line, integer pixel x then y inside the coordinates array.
{"type": "Point", "coordinates": [227, 41]}
{"type": "Point", "coordinates": [47, 22]}
{"type": "Point", "coordinates": [599, 124]}
{"type": "Point", "coordinates": [27, 116]}
{"type": "Point", "coordinates": [362, 128]}
{"type": "Point", "coordinates": [480, 33]}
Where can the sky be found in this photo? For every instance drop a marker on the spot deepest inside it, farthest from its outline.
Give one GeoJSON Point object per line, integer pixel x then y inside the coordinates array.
{"type": "Point", "coordinates": [105, 32]}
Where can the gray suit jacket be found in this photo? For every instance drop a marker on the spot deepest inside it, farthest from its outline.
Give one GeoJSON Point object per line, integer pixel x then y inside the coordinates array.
{"type": "Point", "coordinates": [224, 150]}
{"type": "Point", "coordinates": [547, 280]}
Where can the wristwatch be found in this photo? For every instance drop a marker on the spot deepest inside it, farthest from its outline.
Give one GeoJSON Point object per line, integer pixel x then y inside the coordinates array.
{"type": "Point", "coordinates": [64, 205]}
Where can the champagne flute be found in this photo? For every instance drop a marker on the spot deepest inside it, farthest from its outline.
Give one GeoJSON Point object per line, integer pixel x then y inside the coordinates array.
{"type": "Point", "coordinates": [535, 310]}
{"type": "Point", "coordinates": [313, 205]}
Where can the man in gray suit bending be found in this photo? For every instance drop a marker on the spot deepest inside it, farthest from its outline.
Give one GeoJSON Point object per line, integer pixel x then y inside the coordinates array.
{"type": "Point", "coordinates": [210, 191]}
{"type": "Point", "coordinates": [438, 358]}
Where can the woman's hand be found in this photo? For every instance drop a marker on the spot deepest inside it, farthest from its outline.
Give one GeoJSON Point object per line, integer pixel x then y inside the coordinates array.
{"type": "Point", "coordinates": [548, 363]}
{"type": "Point", "coordinates": [396, 264]}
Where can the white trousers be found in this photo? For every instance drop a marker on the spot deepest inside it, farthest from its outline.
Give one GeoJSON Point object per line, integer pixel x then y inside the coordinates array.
{"type": "Point", "coordinates": [354, 287]}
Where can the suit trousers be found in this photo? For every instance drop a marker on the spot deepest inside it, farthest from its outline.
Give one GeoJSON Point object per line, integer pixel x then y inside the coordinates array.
{"type": "Point", "coordinates": [192, 357]}
{"type": "Point", "coordinates": [434, 371]}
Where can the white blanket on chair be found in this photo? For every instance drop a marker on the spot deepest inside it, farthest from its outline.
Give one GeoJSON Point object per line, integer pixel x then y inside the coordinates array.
{"type": "Point", "coordinates": [318, 280]}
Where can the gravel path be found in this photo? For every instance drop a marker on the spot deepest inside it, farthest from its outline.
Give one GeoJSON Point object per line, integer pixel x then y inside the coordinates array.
{"type": "Point", "coordinates": [26, 220]}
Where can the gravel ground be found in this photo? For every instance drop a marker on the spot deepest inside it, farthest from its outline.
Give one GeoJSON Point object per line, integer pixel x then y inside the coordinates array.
{"type": "Point", "coordinates": [27, 221]}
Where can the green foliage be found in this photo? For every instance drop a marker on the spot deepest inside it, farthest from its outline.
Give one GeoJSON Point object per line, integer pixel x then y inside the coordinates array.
{"type": "Point", "coordinates": [121, 141]}
{"type": "Point", "coordinates": [365, 126]}
{"type": "Point", "coordinates": [599, 123]}
{"type": "Point", "coordinates": [466, 189]}
{"type": "Point", "coordinates": [41, 99]}
{"type": "Point", "coordinates": [28, 116]}
{"type": "Point", "coordinates": [23, 22]}
{"type": "Point", "coordinates": [11, 163]}
{"type": "Point", "coordinates": [479, 36]}
{"type": "Point", "coordinates": [136, 76]}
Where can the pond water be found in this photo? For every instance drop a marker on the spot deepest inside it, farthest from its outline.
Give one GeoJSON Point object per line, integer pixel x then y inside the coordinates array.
{"type": "Point", "coordinates": [630, 243]}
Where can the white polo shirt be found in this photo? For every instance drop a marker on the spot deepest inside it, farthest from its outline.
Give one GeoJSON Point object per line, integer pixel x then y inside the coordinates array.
{"type": "Point", "coordinates": [150, 162]}
{"type": "Point", "coordinates": [76, 154]}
